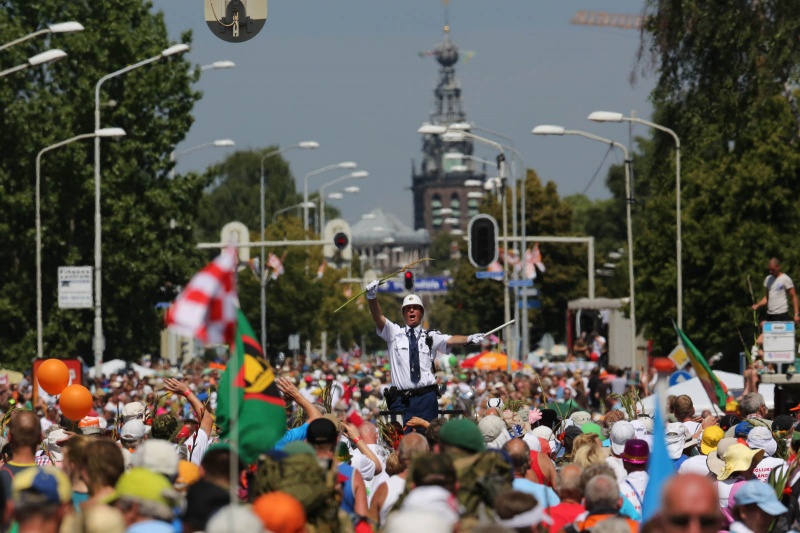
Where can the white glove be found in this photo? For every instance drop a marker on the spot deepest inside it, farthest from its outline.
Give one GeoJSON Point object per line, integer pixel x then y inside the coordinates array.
{"type": "Point", "coordinates": [372, 290]}
{"type": "Point", "coordinates": [476, 338]}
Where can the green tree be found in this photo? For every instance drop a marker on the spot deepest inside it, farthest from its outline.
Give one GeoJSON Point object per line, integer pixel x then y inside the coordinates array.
{"type": "Point", "coordinates": [726, 83]}
{"type": "Point", "coordinates": [144, 256]}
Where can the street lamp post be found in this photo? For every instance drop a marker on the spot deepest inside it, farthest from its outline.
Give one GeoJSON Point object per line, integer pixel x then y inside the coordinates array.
{"type": "Point", "coordinates": [98, 341]}
{"type": "Point", "coordinates": [607, 116]}
{"type": "Point", "coordinates": [50, 56]}
{"type": "Point", "coordinates": [59, 27]}
{"type": "Point", "coordinates": [218, 65]}
{"type": "Point", "coordinates": [219, 143]}
{"type": "Point", "coordinates": [105, 132]}
{"type": "Point", "coordinates": [458, 131]}
{"type": "Point", "coordinates": [344, 165]}
{"type": "Point", "coordinates": [558, 130]}
{"type": "Point", "coordinates": [295, 206]}
{"type": "Point", "coordinates": [304, 145]}
{"type": "Point", "coordinates": [357, 175]}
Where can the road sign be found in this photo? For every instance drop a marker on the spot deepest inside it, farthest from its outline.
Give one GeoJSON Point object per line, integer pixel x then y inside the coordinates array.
{"type": "Point", "coordinates": [530, 293]}
{"type": "Point", "coordinates": [679, 377]}
{"type": "Point", "coordinates": [431, 284]}
{"type": "Point", "coordinates": [532, 304]}
{"type": "Point", "coordinates": [485, 274]}
{"type": "Point", "coordinates": [75, 288]}
{"type": "Point", "coordinates": [294, 341]}
{"type": "Point", "coordinates": [779, 342]}
{"type": "Point", "coordinates": [679, 357]}
{"type": "Point", "coordinates": [520, 283]}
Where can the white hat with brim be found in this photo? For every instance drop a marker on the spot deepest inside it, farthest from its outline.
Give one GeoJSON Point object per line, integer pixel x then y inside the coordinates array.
{"type": "Point", "coordinates": [412, 299]}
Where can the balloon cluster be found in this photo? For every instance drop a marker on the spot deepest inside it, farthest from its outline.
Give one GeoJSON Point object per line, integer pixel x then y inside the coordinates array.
{"type": "Point", "coordinates": [75, 400]}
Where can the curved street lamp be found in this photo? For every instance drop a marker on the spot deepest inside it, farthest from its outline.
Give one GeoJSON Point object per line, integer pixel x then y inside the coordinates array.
{"type": "Point", "coordinates": [216, 65]}
{"type": "Point", "coordinates": [50, 56]}
{"type": "Point", "coordinates": [558, 130]}
{"type": "Point", "coordinates": [59, 27]}
{"type": "Point", "coordinates": [358, 174]}
{"type": "Point", "coordinates": [219, 143]}
{"type": "Point", "coordinates": [609, 116]}
{"type": "Point", "coordinates": [98, 341]}
{"type": "Point", "coordinates": [105, 132]}
{"type": "Point", "coordinates": [343, 165]}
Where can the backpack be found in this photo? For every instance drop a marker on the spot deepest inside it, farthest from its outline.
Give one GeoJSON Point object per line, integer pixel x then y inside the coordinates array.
{"type": "Point", "coordinates": [301, 476]}
{"type": "Point", "coordinates": [481, 479]}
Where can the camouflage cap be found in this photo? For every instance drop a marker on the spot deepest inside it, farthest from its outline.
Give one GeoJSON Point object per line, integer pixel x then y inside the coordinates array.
{"type": "Point", "coordinates": [164, 427]}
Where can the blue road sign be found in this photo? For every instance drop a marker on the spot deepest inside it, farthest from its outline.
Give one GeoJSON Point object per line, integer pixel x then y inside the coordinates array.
{"type": "Point", "coordinates": [520, 283]}
{"type": "Point", "coordinates": [485, 274]}
{"type": "Point", "coordinates": [679, 377]}
{"type": "Point", "coordinates": [532, 304]}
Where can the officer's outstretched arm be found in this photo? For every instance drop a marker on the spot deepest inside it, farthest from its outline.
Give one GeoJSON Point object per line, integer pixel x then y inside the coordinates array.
{"type": "Point", "coordinates": [374, 306]}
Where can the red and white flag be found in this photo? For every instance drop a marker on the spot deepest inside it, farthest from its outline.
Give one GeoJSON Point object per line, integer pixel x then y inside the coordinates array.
{"type": "Point", "coordinates": [206, 308]}
{"type": "Point", "coordinates": [275, 263]}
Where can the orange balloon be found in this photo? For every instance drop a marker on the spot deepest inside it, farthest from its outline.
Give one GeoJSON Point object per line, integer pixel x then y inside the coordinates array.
{"type": "Point", "coordinates": [75, 402]}
{"type": "Point", "coordinates": [53, 376]}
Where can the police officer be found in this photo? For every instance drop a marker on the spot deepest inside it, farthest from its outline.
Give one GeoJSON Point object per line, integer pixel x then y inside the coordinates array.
{"type": "Point", "coordinates": [412, 352]}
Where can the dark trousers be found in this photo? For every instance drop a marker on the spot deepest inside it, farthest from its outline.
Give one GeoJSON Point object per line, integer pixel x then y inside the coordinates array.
{"type": "Point", "coordinates": [425, 406]}
{"type": "Point", "coordinates": [781, 317]}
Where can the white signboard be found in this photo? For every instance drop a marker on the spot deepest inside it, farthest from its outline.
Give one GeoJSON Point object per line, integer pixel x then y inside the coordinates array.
{"type": "Point", "coordinates": [75, 288]}
{"type": "Point", "coordinates": [779, 342]}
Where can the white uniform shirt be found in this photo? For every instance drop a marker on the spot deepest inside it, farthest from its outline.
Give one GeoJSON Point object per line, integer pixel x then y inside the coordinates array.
{"type": "Point", "coordinates": [777, 302]}
{"type": "Point", "coordinates": [397, 343]}
{"type": "Point", "coordinates": [633, 488]}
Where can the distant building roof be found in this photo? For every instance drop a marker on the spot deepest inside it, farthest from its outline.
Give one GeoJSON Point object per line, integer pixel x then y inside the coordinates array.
{"type": "Point", "coordinates": [381, 228]}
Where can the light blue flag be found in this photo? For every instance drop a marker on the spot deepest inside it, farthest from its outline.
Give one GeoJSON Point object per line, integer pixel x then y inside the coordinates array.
{"type": "Point", "coordinates": [660, 468]}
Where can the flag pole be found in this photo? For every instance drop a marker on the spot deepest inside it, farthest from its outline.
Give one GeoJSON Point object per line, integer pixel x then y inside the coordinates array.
{"type": "Point", "coordinates": [233, 398]}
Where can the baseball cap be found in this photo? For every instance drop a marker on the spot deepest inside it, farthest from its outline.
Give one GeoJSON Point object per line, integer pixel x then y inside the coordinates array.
{"type": "Point", "coordinates": [133, 430]}
{"type": "Point", "coordinates": [760, 438]}
{"type": "Point", "coordinates": [462, 433]}
{"type": "Point", "coordinates": [41, 485]}
{"type": "Point", "coordinates": [621, 432]}
{"type": "Point", "coordinates": [761, 494]}
{"type": "Point", "coordinates": [795, 408]}
{"type": "Point", "coordinates": [742, 429]}
{"type": "Point", "coordinates": [321, 431]}
{"type": "Point", "coordinates": [783, 423]}
{"type": "Point", "coordinates": [143, 485]}
{"type": "Point", "coordinates": [90, 425]}
{"type": "Point", "coordinates": [133, 410]}
{"type": "Point", "coordinates": [188, 473]}
{"type": "Point", "coordinates": [157, 455]}
{"type": "Point", "coordinates": [280, 512]}
{"type": "Point", "coordinates": [412, 299]}
{"type": "Point", "coordinates": [53, 441]}
{"type": "Point", "coordinates": [711, 437]}
{"type": "Point", "coordinates": [235, 518]}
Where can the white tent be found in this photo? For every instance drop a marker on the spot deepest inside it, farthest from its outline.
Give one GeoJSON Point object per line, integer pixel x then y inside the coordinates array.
{"type": "Point", "coordinates": [118, 365]}
{"type": "Point", "coordinates": [694, 389]}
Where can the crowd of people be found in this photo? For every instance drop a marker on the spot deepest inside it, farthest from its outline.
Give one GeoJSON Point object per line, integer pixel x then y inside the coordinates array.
{"type": "Point", "coordinates": [546, 449]}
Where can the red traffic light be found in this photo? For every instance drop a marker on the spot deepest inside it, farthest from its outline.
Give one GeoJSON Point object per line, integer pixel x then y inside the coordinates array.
{"type": "Point", "coordinates": [408, 279]}
{"type": "Point", "coordinates": [340, 240]}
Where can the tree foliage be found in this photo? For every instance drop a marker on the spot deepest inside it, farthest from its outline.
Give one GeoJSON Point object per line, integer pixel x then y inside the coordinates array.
{"type": "Point", "coordinates": [144, 258]}
{"type": "Point", "coordinates": [726, 84]}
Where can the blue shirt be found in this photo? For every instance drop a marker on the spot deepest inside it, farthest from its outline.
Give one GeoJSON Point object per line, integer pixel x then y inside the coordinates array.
{"type": "Point", "coordinates": [543, 494]}
{"type": "Point", "coordinates": [292, 435]}
{"type": "Point", "coordinates": [151, 526]}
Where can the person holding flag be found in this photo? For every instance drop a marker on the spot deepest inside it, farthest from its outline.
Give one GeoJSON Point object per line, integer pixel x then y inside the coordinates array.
{"type": "Point", "coordinates": [412, 352]}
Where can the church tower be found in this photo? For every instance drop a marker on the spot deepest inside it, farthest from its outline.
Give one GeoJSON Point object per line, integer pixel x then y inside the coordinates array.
{"type": "Point", "coordinates": [448, 187]}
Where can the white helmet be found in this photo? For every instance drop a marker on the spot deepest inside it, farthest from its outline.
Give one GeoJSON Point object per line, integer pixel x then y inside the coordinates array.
{"type": "Point", "coordinates": [412, 299]}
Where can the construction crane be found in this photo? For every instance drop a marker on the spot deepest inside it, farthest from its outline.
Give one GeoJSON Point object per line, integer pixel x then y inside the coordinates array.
{"type": "Point", "coordinates": [625, 21]}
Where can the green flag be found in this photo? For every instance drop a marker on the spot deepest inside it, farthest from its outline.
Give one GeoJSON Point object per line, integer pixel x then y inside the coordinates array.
{"type": "Point", "coordinates": [250, 410]}
{"type": "Point", "coordinates": [714, 388]}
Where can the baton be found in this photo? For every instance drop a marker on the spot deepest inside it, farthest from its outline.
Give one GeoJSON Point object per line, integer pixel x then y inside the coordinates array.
{"type": "Point", "coordinates": [498, 328]}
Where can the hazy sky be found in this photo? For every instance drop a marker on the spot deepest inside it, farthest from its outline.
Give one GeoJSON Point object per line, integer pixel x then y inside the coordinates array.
{"type": "Point", "coordinates": [346, 73]}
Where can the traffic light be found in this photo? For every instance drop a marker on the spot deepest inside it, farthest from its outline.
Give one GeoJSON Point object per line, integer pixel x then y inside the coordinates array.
{"type": "Point", "coordinates": [482, 232]}
{"type": "Point", "coordinates": [340, 240]}
{"type": "Point", "coordinates": [408, 280]}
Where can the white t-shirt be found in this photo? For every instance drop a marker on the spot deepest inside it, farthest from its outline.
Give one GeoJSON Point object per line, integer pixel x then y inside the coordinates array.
{"type": "Point", "coordinates": [616, 464]}
{"type": "Point", "coordinates": [691, 428]}
{"type": "Point", "coordinates": [360, 462]}
{"type": "Point", "coordinates": [767, 465]}
{"type": "Point", "coordinates": [395, 485]}
{"type": "Point", "coordinates": [633, 488]}
{"type": "Point", "coordinates": [397, 343]}
{"type": "Point", "coordinates": [777, 302]}
{"type": "Point", "coordinates": [695, 465]}
{"type": "Point", "coordinates": [45, 424]}
{"type": "Point", "coordinates": [197, 447]}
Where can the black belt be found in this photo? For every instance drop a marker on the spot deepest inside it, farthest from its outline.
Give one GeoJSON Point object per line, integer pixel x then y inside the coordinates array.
{"type": "Point", "coordinates": [410, 393]}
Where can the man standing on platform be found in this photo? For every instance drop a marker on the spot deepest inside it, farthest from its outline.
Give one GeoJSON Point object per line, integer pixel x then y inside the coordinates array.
{"type": "Point", "coordinates": [412, 353]}
{"type": "Point", "coordinates": [779, 288]}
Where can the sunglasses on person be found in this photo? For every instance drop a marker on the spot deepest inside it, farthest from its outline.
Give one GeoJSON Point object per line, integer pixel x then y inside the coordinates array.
{"type": "Point", "coordinates": [683, 520]}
